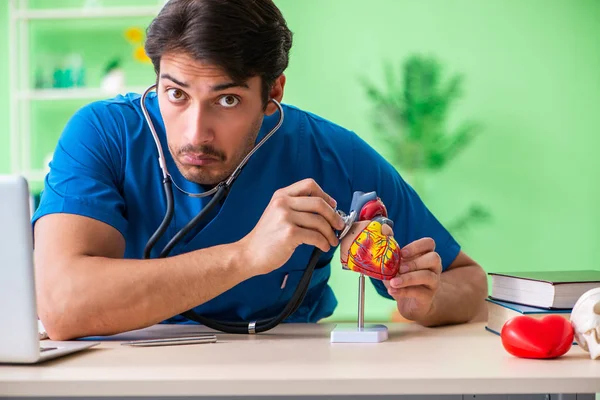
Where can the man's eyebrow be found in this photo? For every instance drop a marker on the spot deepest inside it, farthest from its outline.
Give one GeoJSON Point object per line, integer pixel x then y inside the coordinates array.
{"type": "Point", "coordinates": [178, 82]}
{"type": "Point", "coordinates": [228, 85]}
{"type": "Point", "coordinates": [216, 88]}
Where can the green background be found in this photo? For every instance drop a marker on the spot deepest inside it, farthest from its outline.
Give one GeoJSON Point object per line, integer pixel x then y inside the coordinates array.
{"type": "Point", "coordinates": [532, 79]}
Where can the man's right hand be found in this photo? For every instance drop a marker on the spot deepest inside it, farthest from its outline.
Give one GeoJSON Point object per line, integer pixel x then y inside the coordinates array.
{"type": "Point", "coordinates": [301, 213]}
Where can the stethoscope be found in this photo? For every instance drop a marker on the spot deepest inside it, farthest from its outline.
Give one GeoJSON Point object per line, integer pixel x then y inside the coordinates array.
{"type": "Point", "coordinates": [220, 191]}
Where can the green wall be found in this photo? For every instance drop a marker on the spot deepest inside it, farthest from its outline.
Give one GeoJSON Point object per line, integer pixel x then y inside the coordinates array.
{"type": "Point", "coordinates": [532, 72]}
{"type": "Point", "coordinates": [4, 143]}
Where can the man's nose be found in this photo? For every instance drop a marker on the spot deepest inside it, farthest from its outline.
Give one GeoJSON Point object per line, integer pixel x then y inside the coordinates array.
{"type": "Point", "coordinates": [200, 129]}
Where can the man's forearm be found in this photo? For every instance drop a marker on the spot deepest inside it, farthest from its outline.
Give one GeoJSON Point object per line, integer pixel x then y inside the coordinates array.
{"type": "Point", "coordinates": [460, 297]}
{"type": "Point", "coordinates": [104, 296]}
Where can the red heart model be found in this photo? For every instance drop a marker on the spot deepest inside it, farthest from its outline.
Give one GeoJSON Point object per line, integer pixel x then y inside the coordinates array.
{"type": "Point", "coordinates": [528, 337]}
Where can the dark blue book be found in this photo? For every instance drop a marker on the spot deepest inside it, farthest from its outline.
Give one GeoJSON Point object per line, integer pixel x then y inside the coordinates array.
{"type": "Point", "coordinates": [501, 311]}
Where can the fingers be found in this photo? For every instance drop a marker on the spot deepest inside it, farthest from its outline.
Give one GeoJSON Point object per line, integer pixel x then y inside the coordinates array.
{"type": "Point", "coordinates": [387, 230]}
{"type": "Point", "coordinates": [424, 277]}
{"type": "Point", "coordinates": [307, 187]}
{"type": "Point", "coordinates": [431, 261]}
{"type": "Point", "coordinates": [417, 248]}
{"type": "Point", "coordinates": [311, 238]}
{"type": "Point", "coordinates": [421, 294]}
{"type": "Point", "coordinates": [424, 270]}
{"type": "Point", "coordinates": [309, 214]}
{"type": "Point", "coordinates": [319, 206]}
{"type": "Point", "coordinates": [316, 223]}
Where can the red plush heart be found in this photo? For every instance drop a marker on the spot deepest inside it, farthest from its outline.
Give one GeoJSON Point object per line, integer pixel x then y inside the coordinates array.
{"type": "Point", "coordinates": [528, 337]}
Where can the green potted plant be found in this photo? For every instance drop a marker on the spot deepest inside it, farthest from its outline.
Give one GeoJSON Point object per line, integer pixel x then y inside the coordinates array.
{"type": "Point", "coordinates": [410, 115]}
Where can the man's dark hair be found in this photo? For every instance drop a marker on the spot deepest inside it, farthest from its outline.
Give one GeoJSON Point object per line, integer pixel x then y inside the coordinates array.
{"type": "Point", "coordinates": [245, 38]}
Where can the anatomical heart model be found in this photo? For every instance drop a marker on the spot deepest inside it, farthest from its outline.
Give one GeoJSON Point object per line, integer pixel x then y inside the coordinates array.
{"type": "Point", "coordinates": [369, 247]}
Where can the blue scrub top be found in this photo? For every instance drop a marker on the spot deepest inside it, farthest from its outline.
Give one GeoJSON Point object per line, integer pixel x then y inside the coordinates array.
{"type": "Point", "coordinates": [105, 167]}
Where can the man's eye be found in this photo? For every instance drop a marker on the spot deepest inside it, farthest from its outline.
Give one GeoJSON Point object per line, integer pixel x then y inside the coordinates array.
{"type": "Point", "coordinates": [175, 94]}
{"type": "Point", "coordinates": [229, 101]}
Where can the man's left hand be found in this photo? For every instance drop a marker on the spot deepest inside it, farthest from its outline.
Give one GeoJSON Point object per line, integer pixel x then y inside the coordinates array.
{"type": "Point", "coordinates": [418, 280]}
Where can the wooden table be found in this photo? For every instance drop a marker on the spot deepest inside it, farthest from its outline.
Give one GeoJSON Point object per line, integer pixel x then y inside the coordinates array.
{"type": "Point", "coordinates": [299, 360]}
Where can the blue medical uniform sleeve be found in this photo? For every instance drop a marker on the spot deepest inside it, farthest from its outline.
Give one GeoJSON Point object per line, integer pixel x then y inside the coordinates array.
{"type": "Point", "coordinates": [86, 169]}
{"type": "Point", "coordinates": [412, 219]}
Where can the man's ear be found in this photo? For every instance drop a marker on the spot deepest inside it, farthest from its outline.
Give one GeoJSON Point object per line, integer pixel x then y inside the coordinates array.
{"type": "Point", "coordinates": [275, 93]}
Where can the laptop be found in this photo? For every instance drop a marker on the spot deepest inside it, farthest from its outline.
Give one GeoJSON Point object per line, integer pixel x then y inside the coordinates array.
{"type": "Point", "coordinates": [19, 337]}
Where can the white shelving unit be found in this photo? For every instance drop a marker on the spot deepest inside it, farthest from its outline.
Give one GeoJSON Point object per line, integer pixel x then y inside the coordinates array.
{"type": "Point", "coordinates": [21, 95]}
{"type": "Point", "coordinates": [70, 93]}
{"type": "Point", "coordinates": [97, 12]}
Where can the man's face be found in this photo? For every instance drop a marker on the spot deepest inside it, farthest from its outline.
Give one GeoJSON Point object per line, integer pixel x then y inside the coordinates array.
{"type": "Point", "coordinates": [211, 122]}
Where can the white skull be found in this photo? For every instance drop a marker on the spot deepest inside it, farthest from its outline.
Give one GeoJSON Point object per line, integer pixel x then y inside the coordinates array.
{"type": "Point", "coordinates": [585, 319]}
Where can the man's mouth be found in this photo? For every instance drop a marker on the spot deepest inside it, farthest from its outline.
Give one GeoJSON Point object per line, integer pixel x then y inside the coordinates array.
{"type": "Point", "coordinates": [199, 159]}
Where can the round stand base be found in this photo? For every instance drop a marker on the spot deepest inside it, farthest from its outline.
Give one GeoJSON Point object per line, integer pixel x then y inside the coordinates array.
{"type": "Point", "coordinates": [351, 333]}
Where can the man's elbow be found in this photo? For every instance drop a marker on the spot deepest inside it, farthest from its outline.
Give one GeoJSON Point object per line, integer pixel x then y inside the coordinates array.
{"type": "Point", "coordinates": [480, 289]}
{"type": "Point", "coordinates": [58, 331]}
{"type": "Point", "coordinates": [481, 282]}
{"type": "Point", "coordinates": [58, 315]}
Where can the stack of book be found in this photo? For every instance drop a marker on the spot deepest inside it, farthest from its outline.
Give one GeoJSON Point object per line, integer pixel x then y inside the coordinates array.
{"type": "Point", "coordinates": [536, 294]}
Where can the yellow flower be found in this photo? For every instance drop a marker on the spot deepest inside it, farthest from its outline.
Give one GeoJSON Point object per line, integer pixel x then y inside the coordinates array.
{"type": "Point", "coordinates": [134, 35]}
{"type": "Point", "coordinates": [140, 55]}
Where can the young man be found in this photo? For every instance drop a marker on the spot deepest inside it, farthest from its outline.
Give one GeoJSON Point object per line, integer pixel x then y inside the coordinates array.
{"type": "Point", "coordinates": [219, 64]}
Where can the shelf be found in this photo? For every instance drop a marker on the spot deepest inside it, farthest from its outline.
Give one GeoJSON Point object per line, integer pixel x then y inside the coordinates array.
{"type": "Point", "coordinates": [20, 21]}
{"type": "Point", "coordinates": [100, 12]}
{"type": "Point", "coordinates": [74, 93]}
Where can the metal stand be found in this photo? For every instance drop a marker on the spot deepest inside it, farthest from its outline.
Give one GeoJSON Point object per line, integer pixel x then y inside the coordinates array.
{"type": "Point", "coordinates": [344, 333]}
{"type": "Point", "coordinates": [361, 301]}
